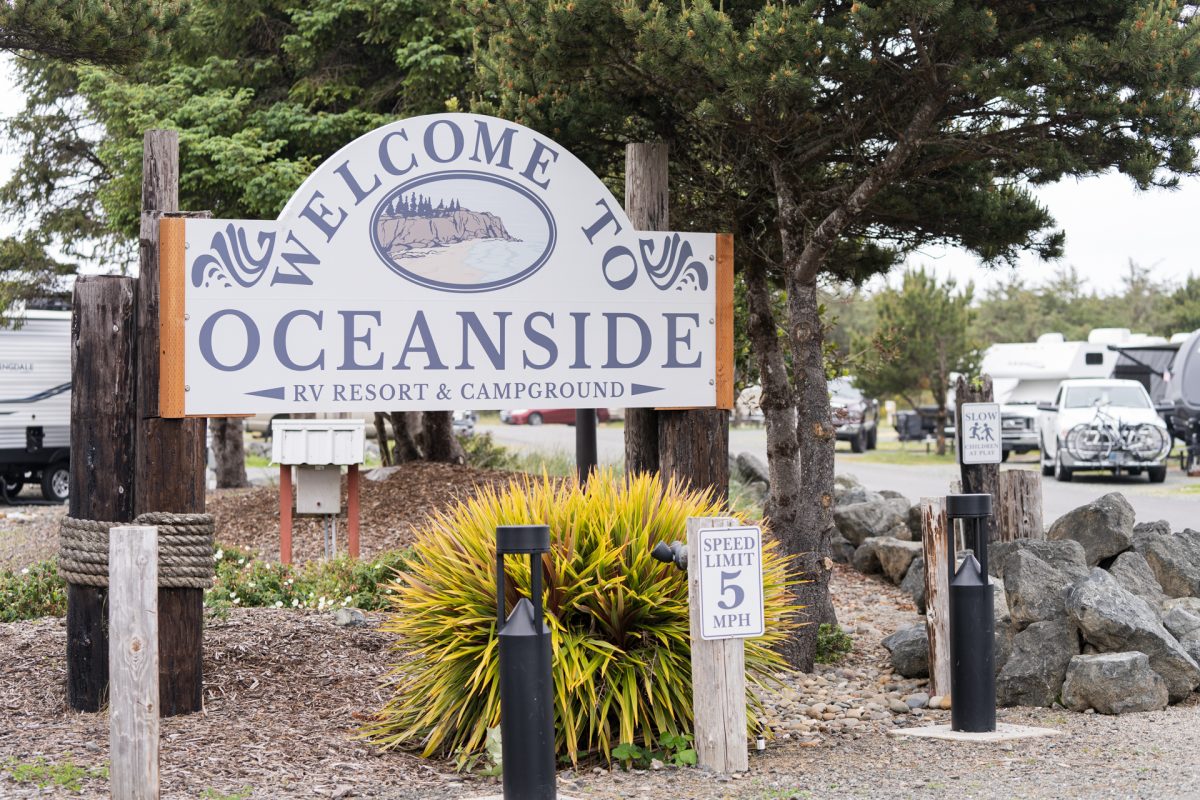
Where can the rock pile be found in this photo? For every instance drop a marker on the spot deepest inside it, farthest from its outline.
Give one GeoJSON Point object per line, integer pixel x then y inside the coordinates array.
{"type": "Point", "coordinates": [1103, 614]}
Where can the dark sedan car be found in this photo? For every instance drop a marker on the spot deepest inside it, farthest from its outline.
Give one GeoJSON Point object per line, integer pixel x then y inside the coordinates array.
{"type": "Point", "coordinates": [536, 416]}
{"type": "Point", "coordinates": [855, 417]}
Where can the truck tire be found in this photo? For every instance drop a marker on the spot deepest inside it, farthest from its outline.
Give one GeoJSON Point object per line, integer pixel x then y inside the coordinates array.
{"type": "Point", "coordinates": [1157, 474]}
{"type": "Point", "coordinates": [56, 482]}
{"type": "Point", "coordinates": [859, 443]}
{"type": "Point", "coordinates": [1061, 473]}
{"type": "Point", "coordinates": [873, 439]}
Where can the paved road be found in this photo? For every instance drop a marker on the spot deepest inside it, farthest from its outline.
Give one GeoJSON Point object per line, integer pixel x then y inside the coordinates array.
{"type": "Point", "coordinates": [1151, 502]}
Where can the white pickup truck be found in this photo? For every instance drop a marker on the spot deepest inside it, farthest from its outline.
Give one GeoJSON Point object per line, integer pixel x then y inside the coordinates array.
{"type": "Point", "coordinates": [1102, 424]}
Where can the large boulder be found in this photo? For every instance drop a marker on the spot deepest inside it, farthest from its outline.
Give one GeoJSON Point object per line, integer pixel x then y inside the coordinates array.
{"type": "Point", "coordinates": [915, 523]}
{"type": "Point", "coordinates": [1135, 576]}
{"type": "Point", "coordinates": [896, 556]}
{"type": "Point", "coordinates": [1191, 604]}
{"type": "Point", "coordinates": [752, 469]}
{"type": "Point", "coordinates": [910, 651]}
{"type": "Point", "coordinates": [1002, 625]}
{"type": "Point", "coordinates": [1067, 555]}
{"type": "Point", "coordinates": [1184, 625]}
{"type": "Point", "coordinates": [866, 557]}
{"type": "Point", "coordinates": [840, 550]}
{"type": "Point", "coordinates": [914, 583]}
{"type": "Point", "coordinates": [848, 491]}
{"type": "Point", "coordinates": [860, 521]}
{"type": "Point", "coordinates": [1156, 528]}
{"type": "Point", "coordinates": [1033, 674]}
{"type": "Point", "coordinates": [1036, 590]}
{"type": "Point", "coordinates": [1114, 683]}
{"type": "Point", "coordinates": [1174, 558]}
{"type": "Point", "coordinates": [1116, 621]}
{"type": "Point", "coordinates": [902, 530]}
{"type": "Point", "coordinates": [1104, 527]}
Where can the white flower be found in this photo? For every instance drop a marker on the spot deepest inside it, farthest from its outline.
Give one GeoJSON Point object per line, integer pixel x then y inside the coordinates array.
{"type": "Point", "coordinates": [378, 566]}
{"type": "Point", "coordinates": [237, 600]}
{"type": "Point", "coordinates": [279, 603]}
{"type": "Point", "coordinates": [241, 561]}
{"type": "Point", "coordinates": [295, 602]}
{"type": "Point", "coordinates": [219, 555]}
{"type": "Point", "coordinates": [232, 595]}
{"type": "Point", "coordinates": [251, 584]}
{"type": "Point", "coordinates": [25, 571]}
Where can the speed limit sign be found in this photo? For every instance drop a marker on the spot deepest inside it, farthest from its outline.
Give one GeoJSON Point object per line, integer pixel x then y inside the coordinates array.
{"type": "Point", "coordinates": [731, 583]}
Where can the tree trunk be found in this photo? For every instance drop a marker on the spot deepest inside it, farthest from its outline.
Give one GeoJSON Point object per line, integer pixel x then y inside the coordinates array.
{"type": "Point", "coordinates": [778, 404]}
{"type": "Point", "coordinates": [647, 205]}
{"type": "Point", "coordinates": [381, 437]}
{"type": "Point", "coordinates": [815, 436]}
{"type": "Point", "coordinates": [440, 441]}
{"type": "Point", "coordinates": [940, 421]}
{"type": "Point", "coordinates": [403, 423]}
{"type": "Point", "coordinates": [229, 452]}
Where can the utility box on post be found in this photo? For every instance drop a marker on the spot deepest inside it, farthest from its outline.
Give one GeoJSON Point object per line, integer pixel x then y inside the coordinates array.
{"type": "Point", "coordinates": [318, 449]}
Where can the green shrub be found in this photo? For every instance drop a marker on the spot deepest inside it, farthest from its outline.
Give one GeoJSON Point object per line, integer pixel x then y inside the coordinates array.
{"type": "Point", "coordinates": [833, 644]}
{"type": "Point", "coordinates": [484, 453]}
{"type": "Point", "coordinates": [35, 591]}
{"type": "Point", "coordinates": [619, 619]}
{"type": "Point", "coordinates": [242, 580]}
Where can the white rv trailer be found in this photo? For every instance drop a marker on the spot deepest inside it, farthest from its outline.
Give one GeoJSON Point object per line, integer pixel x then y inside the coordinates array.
{"type": "Point", "coordinates": [1027, 373]}
{"type": "Point", "coordinates": [35, 403]}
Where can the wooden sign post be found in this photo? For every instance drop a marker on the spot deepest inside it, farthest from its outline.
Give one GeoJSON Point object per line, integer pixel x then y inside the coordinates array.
{"type": "Point", "coordinates": [133, 662]}
{"type": "Point", "coordinates": [718, 674]}
{"type": "Point", "coordinates": [935, 540]}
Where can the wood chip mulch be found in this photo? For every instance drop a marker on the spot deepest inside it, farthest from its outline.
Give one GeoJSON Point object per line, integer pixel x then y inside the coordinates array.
{"type": "Point", "coordinates": [391, 510]}
{"type": "Point", "coordinates": [285, 693]}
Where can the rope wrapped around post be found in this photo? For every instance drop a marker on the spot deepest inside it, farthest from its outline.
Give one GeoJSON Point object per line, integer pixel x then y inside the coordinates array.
{"type": "Point", "coordinates": [185, 549]}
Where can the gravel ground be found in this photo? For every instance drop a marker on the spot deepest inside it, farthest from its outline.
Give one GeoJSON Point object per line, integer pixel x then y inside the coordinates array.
{"type": "Point", "coordinates": [28, 533]}
{"type": "Point", "coordinates": [285, 692]}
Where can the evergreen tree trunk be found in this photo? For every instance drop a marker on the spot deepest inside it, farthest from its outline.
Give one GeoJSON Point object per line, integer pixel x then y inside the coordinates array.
{"type": "Point", "coordinates": [403, 425]}
{"type": "Point", "coordinates": [229, 452]}
{"type": "Point", "coordinates": [381, 436]}
{"type": "Point", "coordinates": [647, 205]}
{"type": "Point", "coordinates": [694, 448]}
{"type": "Point", "coordinates": [440, 442]}
{"type": "Point", "coordinates": [815, 436]}
{"type": "Point", "coordinates": [783, 449]}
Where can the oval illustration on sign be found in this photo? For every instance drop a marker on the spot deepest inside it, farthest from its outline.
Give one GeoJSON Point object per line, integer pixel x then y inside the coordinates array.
{"type": "Point", "coordinates": [463, 231]}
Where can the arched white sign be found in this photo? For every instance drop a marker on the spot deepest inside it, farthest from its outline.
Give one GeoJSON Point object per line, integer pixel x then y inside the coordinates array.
{"type": "Point", "coordinates": [440, 262]}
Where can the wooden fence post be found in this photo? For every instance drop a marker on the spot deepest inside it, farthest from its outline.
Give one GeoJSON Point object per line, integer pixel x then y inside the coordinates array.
{"type": "Point", "coordinates": [1019, 511]}
{"type": "Point", "coordinates": [647, 203]}
{"type": "Point", "coordinates": [171, 453]}
{"type": "Point", "coordinates": [936, 543]}
{"type": "Point", "coordinates": [133, 662]}
{"type": "Point", "coordinates": [977, 478]}
{"type": "Point", "coordinates": [718, 675]}
{"type": "Point", "coordinates": [103, 405]}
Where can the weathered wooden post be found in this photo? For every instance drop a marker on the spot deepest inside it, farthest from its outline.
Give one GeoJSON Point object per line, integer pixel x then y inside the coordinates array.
{"type": "Point", "coordinates": [935, 539]}
{"type": "Point", "coordinates": [1019, 512]}
{"type": "Point", "coordinates": [133, 662]}
{"type": "Point", "coordinates": [103, 404]}
{"type": "Point", "coordinates": [647, 204]}
{"type": "Point", "coordinates": [718, 674]}
{"type": "Point", "coordinates": [170, 452]}
{"type": "Point", "coordinates": [977, 478]}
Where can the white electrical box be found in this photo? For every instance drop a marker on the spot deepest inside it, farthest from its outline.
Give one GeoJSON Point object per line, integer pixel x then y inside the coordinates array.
{"type": "Point", "coordinates": [318, 448]}
{"type": "Point", "coordinates": [318, 490]}
{"type": "Point", "coordinates": [318, 442]}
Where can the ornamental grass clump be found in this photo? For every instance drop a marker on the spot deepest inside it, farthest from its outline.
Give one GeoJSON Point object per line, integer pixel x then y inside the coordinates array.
{"type": "Point", "coordinates": [618, 618]}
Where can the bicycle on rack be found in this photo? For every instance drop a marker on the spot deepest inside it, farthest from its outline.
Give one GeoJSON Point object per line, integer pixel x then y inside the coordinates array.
{"type": "Point", "coordinates": [1106, 442]}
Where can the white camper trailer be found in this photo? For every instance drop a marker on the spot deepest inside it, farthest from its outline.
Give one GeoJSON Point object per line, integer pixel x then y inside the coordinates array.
{"type": "Point", "coordinates": [35, 403]}
{"type": "Point", "coordinates": [1027, 373]}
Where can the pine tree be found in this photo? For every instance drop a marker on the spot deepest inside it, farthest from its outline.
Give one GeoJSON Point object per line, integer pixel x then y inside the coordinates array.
{"type": "Point", "coordinates": [110, 32]}
{"type": "Point", "coordinates": [834, 137]}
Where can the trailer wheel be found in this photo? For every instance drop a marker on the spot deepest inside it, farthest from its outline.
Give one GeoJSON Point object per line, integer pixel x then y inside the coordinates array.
{"type": "Point", "coordinates": [13, 484]}
{"type": "Point", "coordinates": [56, 482]}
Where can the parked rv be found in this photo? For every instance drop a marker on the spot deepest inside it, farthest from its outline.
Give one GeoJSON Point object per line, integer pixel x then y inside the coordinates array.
{"type": "Point", "coordinates": [35, 404]}
{"type": "Point", "coordinates": [1182, 395]}
{"type": "Point", "coordinates": [1025, 374]}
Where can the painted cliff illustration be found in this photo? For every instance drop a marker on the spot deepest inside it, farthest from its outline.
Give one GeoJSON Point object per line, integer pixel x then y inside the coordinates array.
{"type": "Point", "coordinates": [461, 233]}
{"type": "Point", "coordinates": [412, 225]}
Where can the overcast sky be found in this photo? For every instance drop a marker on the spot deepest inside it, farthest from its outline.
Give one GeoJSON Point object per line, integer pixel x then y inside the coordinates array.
{"type": "Point", "coordinates": [1107, 223]}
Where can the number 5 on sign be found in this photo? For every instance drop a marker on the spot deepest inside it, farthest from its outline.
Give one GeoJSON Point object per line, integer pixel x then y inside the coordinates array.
{"type": "Point", "coordinates": [731, 583]}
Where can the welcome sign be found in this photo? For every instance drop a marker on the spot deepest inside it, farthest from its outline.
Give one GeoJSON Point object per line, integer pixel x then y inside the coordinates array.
{"type": "Point", "coordinates": [441, 262]}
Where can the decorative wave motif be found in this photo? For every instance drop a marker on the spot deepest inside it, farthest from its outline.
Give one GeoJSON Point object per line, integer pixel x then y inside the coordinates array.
{"type": "Point", "coordinates": [233, 260]}
{"type": "Point", "coordinates": [675, 268]}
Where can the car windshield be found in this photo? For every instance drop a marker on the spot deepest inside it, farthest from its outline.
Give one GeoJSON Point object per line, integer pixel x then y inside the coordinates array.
{"type": "Point", "coordinates": [841, 388]}
{"type": "Point", "coordinates": [1127, 396]}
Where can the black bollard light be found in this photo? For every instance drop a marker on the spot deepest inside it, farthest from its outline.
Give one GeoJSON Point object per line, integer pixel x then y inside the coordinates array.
{"type": "Point", "coordinates": [972, 660]}
{"type": "Point", "coordinates": [526, 684]}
